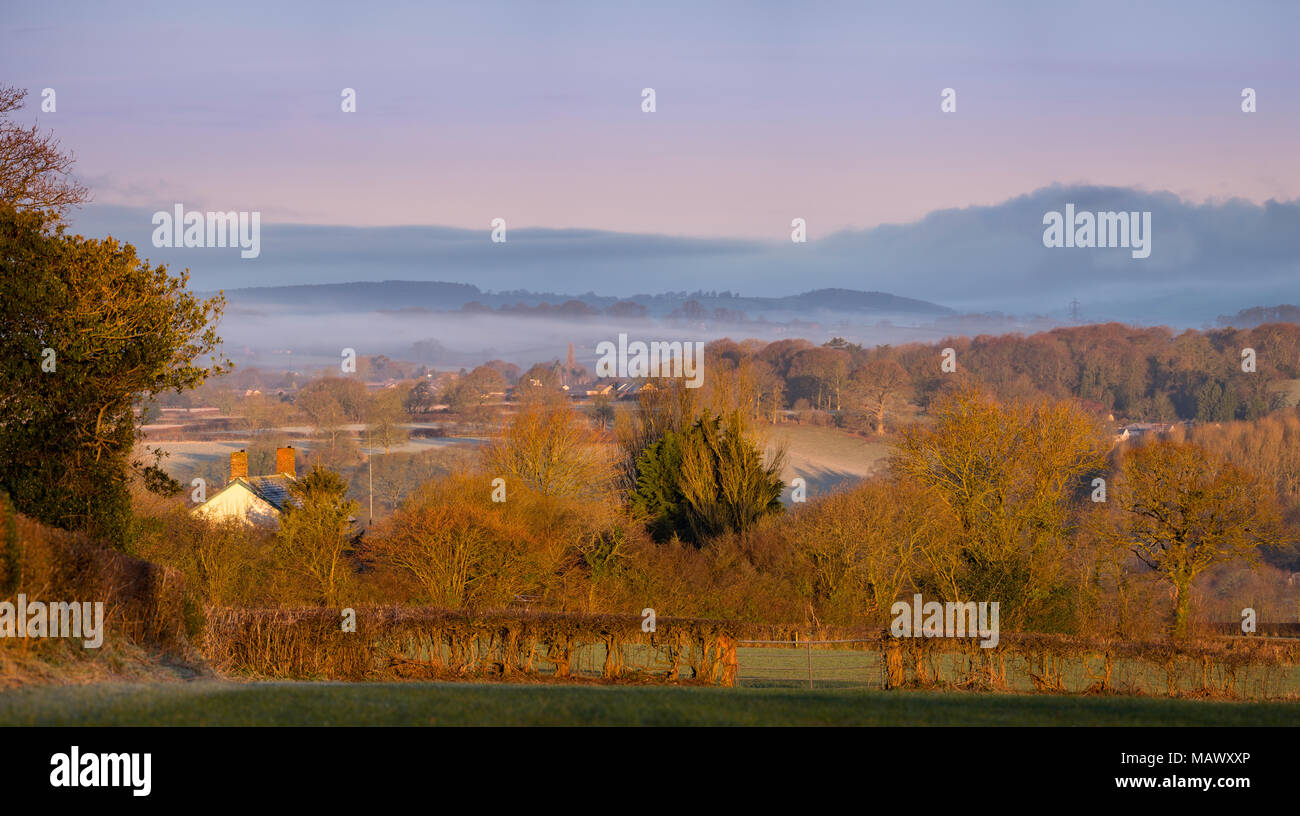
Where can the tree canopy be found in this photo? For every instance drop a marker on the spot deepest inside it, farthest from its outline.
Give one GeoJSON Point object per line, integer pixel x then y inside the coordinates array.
{"type": "Point", "coordinates": [87, 331]}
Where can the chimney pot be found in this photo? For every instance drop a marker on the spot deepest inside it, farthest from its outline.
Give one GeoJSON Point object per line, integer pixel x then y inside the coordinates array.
{"type": "Point", "coordinates": [284, 461]}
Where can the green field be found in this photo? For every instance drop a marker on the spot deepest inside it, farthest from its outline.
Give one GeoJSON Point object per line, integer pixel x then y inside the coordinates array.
{"type": "Point", "coordinates": [213, 702]}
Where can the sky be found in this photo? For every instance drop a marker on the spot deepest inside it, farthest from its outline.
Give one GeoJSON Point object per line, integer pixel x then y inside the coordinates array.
{"type": "Point", "coordinates": [765, 112]}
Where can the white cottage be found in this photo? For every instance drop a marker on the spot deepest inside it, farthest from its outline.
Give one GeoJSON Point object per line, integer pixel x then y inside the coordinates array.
{"type": "Point", "coordinates": [257, 500]}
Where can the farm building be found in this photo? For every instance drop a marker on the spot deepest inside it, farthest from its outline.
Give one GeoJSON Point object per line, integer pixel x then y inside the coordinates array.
{"type": "Point", "coordinates": [257, 500]}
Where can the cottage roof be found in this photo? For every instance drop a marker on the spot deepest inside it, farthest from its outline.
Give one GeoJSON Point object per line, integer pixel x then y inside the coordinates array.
{"type": "Point", "coordinates": [274, 490]}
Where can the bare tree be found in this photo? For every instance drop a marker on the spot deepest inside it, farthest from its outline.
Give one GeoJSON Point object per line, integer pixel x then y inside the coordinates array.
{"type": "Point", "coordinates": [1183, 509]}
{"type": "Point", "coordinates": [35, 174]}
{"type": "Point", "coordinates": [1009, 476]}
{"type": "Point", "coordinates": [551, 449]}
{"type": "Point", "coordinates": [385, 418]}
{"type": "Point", "coordinates": [324, 413]}
{"type": "Point", "coordinates": [881, 382]}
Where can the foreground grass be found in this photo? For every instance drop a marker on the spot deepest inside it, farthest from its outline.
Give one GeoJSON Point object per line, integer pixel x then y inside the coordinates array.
{"type": "Point", "coordinates": [224, 703]}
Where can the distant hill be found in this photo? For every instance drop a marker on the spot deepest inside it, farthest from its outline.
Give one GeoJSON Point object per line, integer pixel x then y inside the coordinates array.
{"type": "Point", "coordinates": [366, 296]}
{"type": "Point", "coordinates": [854, 300]}
{"type": "Point", "coordinates": [1259, 315]}
{"type": "Point", "coordinates": [407, 296]}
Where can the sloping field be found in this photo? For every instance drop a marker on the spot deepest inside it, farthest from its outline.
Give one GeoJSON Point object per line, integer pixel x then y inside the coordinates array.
{"type": "Point", "coordinates": [825, 457]}
{"type": "Point", "coordinates": [1290, 389]}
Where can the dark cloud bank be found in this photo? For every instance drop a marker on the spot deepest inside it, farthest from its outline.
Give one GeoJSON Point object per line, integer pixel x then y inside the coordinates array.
{"type": "Point", "coordinates": [1206, 259]}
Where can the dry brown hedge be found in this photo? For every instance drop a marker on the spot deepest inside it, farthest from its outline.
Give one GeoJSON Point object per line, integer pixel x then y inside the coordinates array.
{"type": "Point", "coordinates": [144, 603]}
{"type": "Point", "coordinates": [1219, 666]}
{"type": "Point", "coordinates": [393, 642]}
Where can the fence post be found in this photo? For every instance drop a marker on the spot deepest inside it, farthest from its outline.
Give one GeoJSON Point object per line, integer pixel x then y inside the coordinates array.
{"type": "Point", "coordinates": [810, 680]}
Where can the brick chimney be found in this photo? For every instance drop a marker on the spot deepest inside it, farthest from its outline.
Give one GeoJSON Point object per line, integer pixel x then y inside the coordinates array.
{"type": "Point", "coordinates": [239, 465]}
{"type": "Point", "coordinates": [284, 461]}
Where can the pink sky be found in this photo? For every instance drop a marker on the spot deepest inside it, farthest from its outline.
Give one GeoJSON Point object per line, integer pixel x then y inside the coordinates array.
{"type": "Point", "coordinates": [764, 113]}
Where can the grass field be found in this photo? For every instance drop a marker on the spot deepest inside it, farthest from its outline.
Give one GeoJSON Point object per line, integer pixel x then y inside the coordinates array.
{"type": "Point", "coordinates": [213, 702]}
